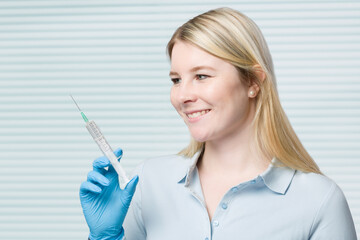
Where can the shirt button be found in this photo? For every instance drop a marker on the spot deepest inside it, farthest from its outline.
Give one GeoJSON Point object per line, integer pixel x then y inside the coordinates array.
{"type": "Point", "coordinates": [234, 189]}
{"type": "Point", "coordinates": [253, 181]}
{"type": "Point", "coordinates": [216, 223]}
{"type": "Point", "coordinates": [224, 206]}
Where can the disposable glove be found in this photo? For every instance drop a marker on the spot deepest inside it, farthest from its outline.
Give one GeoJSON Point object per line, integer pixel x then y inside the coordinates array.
{"type": "Point", "coordinates": [103, 202]}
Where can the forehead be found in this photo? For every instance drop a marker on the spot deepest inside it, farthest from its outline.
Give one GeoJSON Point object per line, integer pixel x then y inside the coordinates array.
{"type": "Point", "coordinates": [185, 55]}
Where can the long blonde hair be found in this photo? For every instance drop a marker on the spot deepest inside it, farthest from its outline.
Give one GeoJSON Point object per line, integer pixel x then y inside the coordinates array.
{"type": "Point", "coordinates": [235, 38]}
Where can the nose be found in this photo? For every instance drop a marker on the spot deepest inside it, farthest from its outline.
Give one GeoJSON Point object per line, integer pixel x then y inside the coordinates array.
{"type": "Point", "coordinates": [187, 92]}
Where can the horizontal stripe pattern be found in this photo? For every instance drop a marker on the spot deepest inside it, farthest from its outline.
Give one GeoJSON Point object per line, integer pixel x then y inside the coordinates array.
{"type": "Point", "coordinates": [110, 55]}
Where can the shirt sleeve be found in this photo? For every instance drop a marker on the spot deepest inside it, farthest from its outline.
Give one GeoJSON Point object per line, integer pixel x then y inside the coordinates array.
{"type": "Point", "coordinates": [133, 225]}
{"type": "Point", "coordinates": [333, 220]}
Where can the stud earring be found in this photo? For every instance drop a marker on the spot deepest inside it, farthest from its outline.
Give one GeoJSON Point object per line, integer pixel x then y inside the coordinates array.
{"type": "Point", "coordinates": [252, 93]}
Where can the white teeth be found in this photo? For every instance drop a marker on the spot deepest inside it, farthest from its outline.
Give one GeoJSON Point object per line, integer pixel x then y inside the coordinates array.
{"type": "Point", "coordinates": [196, 114]}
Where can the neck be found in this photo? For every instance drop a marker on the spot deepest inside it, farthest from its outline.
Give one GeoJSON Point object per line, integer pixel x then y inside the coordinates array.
{"type": "Point", "coordinates": [236, 155]}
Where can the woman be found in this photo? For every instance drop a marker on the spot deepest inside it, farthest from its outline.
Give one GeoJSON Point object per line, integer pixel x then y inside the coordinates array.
{"type": "Point", "coordinates": [245, 174]}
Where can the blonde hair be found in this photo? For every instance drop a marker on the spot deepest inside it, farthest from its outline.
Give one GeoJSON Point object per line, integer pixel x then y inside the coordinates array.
{"type": "Point", "coordinates": [235, 38]}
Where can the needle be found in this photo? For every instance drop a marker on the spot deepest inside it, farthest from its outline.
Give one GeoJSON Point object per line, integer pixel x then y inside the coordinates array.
{"type": "Point", "coordinates": [82, 114]}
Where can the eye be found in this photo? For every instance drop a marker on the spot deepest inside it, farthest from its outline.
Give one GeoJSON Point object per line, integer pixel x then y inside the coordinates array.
{"type": "Point", "coordinates": [201, 76]}
{"type": "Point", "coordinates": [175, 80]}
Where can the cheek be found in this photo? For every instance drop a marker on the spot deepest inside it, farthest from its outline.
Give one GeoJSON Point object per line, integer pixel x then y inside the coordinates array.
{"type": "Point", "coordinates": [222, 94]}
{"type": "Point", "coordinates": [213, 94]}
{"type": "Point", "coordinates": [233, 97]}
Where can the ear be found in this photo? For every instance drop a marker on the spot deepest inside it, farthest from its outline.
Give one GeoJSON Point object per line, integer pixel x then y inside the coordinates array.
{"type": "Point", "coordinates": [259, 72]}
{"type": "Point", "coordinates": [260, 75]}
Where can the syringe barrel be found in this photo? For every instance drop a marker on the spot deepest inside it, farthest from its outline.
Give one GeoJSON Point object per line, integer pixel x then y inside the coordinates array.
{"type": "Point", "coordinates": [108, 152]}
{"type": "Point", "coordinates": [98, 137]}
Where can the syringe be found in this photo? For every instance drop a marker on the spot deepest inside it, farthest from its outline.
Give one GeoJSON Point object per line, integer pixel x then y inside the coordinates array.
{"type": "Point", "coordinates": [104, 147]}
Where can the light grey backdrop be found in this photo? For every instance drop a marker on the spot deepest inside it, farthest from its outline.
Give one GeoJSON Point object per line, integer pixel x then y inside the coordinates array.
{"type": "Point", "coordinates": [110, 54]}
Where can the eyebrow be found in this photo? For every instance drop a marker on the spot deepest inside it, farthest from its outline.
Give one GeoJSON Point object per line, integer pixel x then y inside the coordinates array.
{"type": "Point", "coordinates": [194, 69]}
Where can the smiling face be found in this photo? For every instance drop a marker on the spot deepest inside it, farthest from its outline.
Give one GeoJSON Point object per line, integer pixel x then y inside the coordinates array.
{"type": "Point", "coordinates": [208, 94]}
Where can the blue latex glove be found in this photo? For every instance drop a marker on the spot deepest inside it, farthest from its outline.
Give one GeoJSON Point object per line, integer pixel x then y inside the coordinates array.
{"type": "Point", "coordinates": [103, 202]}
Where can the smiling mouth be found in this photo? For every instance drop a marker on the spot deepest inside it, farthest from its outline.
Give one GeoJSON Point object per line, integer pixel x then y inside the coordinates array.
{"type": "Point", "coordinates": [197, 114]}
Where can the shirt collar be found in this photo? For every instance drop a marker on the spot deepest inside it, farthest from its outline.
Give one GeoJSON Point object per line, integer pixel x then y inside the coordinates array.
{"type": "Point", "coordinates": [186, 174]}
{"type": "Point", "coordinates": [276, 177]}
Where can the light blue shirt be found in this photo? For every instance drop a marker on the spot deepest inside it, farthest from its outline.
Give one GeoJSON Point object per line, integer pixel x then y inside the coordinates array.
{"type": "Point", "coordinates": [280, 203]}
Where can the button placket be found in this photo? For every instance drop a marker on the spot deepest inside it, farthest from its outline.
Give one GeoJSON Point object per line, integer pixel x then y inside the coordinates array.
{"type": "Point", "coordinates": [224, 205]}
{"type": "Point", "coordinates": [215, 223]}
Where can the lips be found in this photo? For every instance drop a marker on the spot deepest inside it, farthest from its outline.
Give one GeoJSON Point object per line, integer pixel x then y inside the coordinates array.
{"type": "Point", "coordinates": [196, 114]}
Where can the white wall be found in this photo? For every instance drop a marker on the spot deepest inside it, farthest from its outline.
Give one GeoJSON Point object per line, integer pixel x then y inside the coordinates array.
{"type": "Point", "coordinates": [110, 54]}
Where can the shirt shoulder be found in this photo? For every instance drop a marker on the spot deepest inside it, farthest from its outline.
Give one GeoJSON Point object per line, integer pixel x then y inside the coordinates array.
{"type": "Point", "coordinates": [326, 202]}
{"type": "Point", "coordinates": [313, 188]}
{"type": "Point", "coordinates": [313, 182]}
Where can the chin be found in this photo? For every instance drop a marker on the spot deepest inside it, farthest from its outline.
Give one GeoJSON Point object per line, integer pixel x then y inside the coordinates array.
{"type": "Point", "coordinates": [199, 137]}
{"type": "Point", "coordinates": [200, 140]}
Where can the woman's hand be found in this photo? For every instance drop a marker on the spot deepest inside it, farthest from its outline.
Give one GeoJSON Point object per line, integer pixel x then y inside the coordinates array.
{"type": "Point", "coordinates": [103, 202]}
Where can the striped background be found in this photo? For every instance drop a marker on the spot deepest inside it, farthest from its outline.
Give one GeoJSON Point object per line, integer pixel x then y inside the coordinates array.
{"type": "Point", "coordinates": [110, 55]}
